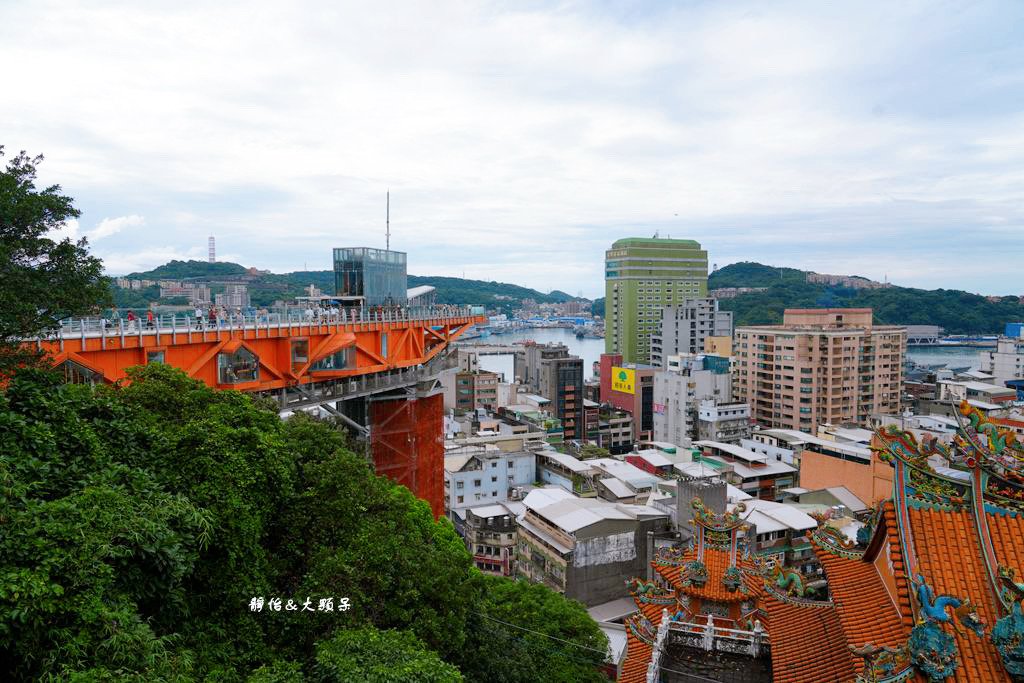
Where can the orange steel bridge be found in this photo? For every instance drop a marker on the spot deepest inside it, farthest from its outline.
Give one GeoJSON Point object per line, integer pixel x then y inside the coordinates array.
{"type": "Point", "coordinates": [374, 370]}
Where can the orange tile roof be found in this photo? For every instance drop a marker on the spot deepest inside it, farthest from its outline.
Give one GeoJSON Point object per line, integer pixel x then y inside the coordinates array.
{"type": "Point", "coordinates": [866, 611]}
{"type": "Point", "coordinates": [807, 643]}
{"type": "Point", "coordinates": [1007, 534]}
{"type": "Point", "coordinates": [638, 657]}
{"type": "Point", "coordinates": [716, 561]}
{"type": "Point", "coordinates": [949, 557]}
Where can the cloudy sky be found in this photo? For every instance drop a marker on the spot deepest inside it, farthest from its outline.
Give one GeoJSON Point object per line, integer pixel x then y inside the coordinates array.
{"type": "Point", "coordinates": [520, 139]}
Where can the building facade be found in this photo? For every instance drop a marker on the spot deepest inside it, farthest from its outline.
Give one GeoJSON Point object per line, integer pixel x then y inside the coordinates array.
{"type": "Point", "coordinates": [375, 277]}
{"type": "Point", "coordinates": [490, 535]}
{"type": "Point", "coordinates": [1006, 362]}
{"type": "Point", "coordinates": [642, 276]}
{"type": "Point", "coordinates": [679, 390]}
{"type": "Point", "coordinates": [686, 327]}
{"type": "Point", "coordinates": [723, 421]}
{"type": "Point", "coordinates": [477, 475]}
{"type": "Point", "coordinates": [821, 365]}
{"type": "Point", "coordinates": [585, 548]}
{"type": "Point", "coordinates": [558, 377]}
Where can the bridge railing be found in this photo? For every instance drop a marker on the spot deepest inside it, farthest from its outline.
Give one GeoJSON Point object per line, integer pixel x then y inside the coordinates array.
{"type": "Point", "coordinates": [77, 328]}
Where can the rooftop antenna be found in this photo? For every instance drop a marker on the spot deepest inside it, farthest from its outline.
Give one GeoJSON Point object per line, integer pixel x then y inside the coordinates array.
{"type": "Point", "coordinates": [387, 222]}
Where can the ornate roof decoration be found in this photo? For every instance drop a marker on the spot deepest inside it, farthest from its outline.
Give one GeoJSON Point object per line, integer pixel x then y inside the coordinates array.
{"type": "Point", "coordinates": [933, 650]}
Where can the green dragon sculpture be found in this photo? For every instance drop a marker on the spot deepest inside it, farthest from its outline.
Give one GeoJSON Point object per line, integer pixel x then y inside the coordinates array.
{"type": "Point", "coordinates": [788, 579]}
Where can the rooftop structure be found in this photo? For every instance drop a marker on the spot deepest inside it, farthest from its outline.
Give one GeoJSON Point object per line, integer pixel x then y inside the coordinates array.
{"type": "Point", "coordinates": [930, 593]}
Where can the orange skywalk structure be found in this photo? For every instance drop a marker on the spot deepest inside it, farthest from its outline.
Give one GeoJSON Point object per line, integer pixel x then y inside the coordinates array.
{"type": "Point", "coordinates": [930, 592]}
{"type": "Point", "coordinates": [374, 369]}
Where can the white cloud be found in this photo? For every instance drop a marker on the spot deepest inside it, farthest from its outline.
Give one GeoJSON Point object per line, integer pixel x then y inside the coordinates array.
{"type": "Point", "coordinates": [521, 142]}
{"type": "Point", "coordinates": [112, 226]}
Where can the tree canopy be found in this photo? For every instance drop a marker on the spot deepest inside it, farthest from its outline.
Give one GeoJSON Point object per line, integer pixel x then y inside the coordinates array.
{"type": "Point", "coordinates": [957, 311]}
{"type": "Point", "coordinates": [141, 521]}
{"type": "Point", "coordinates": [42, 280]}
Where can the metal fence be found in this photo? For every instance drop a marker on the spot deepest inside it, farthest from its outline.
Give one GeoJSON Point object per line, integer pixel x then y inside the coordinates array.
{"type": "Point", "coordinates": [79, 328]}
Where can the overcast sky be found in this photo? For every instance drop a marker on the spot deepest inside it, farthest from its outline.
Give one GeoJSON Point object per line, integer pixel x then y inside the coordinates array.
{"type": "Point", "coordinates": [519, 139]}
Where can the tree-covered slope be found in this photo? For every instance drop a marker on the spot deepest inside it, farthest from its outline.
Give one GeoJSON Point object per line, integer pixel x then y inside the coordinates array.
{"type": "Point", "coordinates": [957, 311]}
{"type": "Point", "coordinates": [149, 530]}
{"type": "Point", "coordinates": [177, 270]}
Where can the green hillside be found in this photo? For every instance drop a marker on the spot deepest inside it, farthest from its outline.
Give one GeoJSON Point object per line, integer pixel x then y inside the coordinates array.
{"type": "Point", "coordinates": [957, 311]}
{"type": "Point", "coordinates": [265, 289]}
{"type": "Point", "coordinates": [178, 270]}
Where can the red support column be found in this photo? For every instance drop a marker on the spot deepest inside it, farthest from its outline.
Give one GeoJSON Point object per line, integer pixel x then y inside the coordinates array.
{"type": "Point", "coordinates": [407, 445]}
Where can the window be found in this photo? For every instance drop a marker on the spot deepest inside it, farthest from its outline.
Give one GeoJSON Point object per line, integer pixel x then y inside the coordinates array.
{"type": "Point", "coordinates": [384, 345]}
{"type": "Point", "coordinates": [339, 360]}
{"type": "Point", "coordinates": [238, 367]}
{"type": "Point", "coordinates": [476, 482]}
{"type": "Point", "coordinates": [493, 465]}
{"type": "Point", "coordinates": [458, 484]}
{"type": "Point", "coordinates": [459, 499]}
{"type": "Point", "coordinates": [154, 357]}
{"type": "Point", "coordinates": [494, 479]}
{"type": "Point", "coordinates": [300, 353]}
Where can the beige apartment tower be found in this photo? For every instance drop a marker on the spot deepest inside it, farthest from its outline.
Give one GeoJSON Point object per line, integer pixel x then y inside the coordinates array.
{"type": "Point", "coordinates": [822, 365]}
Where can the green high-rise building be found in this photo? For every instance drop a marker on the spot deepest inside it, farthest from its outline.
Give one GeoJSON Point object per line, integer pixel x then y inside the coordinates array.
{"type": "Point", "coordinates": [641, 276]}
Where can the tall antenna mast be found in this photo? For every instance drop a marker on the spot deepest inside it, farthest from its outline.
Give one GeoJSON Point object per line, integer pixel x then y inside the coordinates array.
{"type": "Point", "coordinates": [387, 235]}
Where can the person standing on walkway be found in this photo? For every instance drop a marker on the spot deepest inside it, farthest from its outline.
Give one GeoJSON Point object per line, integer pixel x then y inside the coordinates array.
{"type": "Point", "coordinates": [149, 318]}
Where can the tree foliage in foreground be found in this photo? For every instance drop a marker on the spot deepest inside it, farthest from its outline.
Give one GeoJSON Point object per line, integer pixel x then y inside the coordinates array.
{"type": "Point", "coordinates": [42, 280]}
{"type": "Point", "coordinates": [136, 524]}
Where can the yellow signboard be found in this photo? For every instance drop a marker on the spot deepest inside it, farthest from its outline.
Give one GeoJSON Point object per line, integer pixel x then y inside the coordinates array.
{"type": "Point", "coordinates": [624, 380]}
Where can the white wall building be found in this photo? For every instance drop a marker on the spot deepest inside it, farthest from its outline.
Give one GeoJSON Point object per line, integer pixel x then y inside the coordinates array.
{"type": "Point", "coordinates": [678, 391]}
{"type": "Point", "coordinates": [1006, 362]}
{"type": "Point", "coordinates": [475, 475]}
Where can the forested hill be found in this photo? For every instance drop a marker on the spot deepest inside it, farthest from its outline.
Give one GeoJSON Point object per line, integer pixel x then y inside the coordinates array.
{"type": "Point", "coordinates": [957, 311]}
{"type": "Point", "coordinates": [265, 288]}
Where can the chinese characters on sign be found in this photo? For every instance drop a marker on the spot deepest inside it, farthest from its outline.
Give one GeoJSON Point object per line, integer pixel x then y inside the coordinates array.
{"type": "Point", "coordinates": [280, 605]}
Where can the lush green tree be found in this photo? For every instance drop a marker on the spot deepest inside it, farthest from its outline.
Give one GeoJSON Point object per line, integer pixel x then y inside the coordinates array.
{"type": "Point", "coordinates": [524, 632]}
{"type": "Point", "coordinates": [92, 550]}
{"type": "Point", "coordinates": [137, 523]}
{"type": "Point", "coordinates": [42, 281]}
{"type": "Point", "coordinates": [373, 656]}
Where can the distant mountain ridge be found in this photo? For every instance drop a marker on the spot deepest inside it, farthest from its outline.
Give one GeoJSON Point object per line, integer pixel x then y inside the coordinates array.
{"type": "Point", "coordinates": [957, 311]}
{"type": "Point", "coordinates": [265, 288]}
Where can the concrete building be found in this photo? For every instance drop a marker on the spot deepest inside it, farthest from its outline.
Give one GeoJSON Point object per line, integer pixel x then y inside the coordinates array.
{"type": "Point", "coordinates": [824, 463]}
{"type": "Point", "coordinates": [642, 276]}
{"type": "Point", "coordinates": [988, 396]}
{"type": "Point", "coordinates": [585, 548]}
{"type": "Point", "coordinates": [754, 473]}
{"type": "Point", "coordinates": [233, 296]}
{"type": "Point", "coordinates": [1006, 362]}
{"type": "Point", "coordinates": [480, 474]}
{"type": "Point", "coordinates": [685, 328]}
{"type": "Point", "coordinates": [850, 281]}
{"type": "Point", "coordinates": [629, 387]}
{"type": "Point", "coordinates": [490, 535]}
{"type": "Point", "coordinates": [821, 365]}
{"type": "Point", "coordinates": [475, 390]}
{"type": "Point", "coordinates": [678, 391]}
{"type": "Point", "coordinates": [723, 421]}
{"type": "Point", "coordinates": [780, 533]}
{"type": "Point", "coordinates": [614, 430]}
{"type": "Point", "coordinates": [557, 376]}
